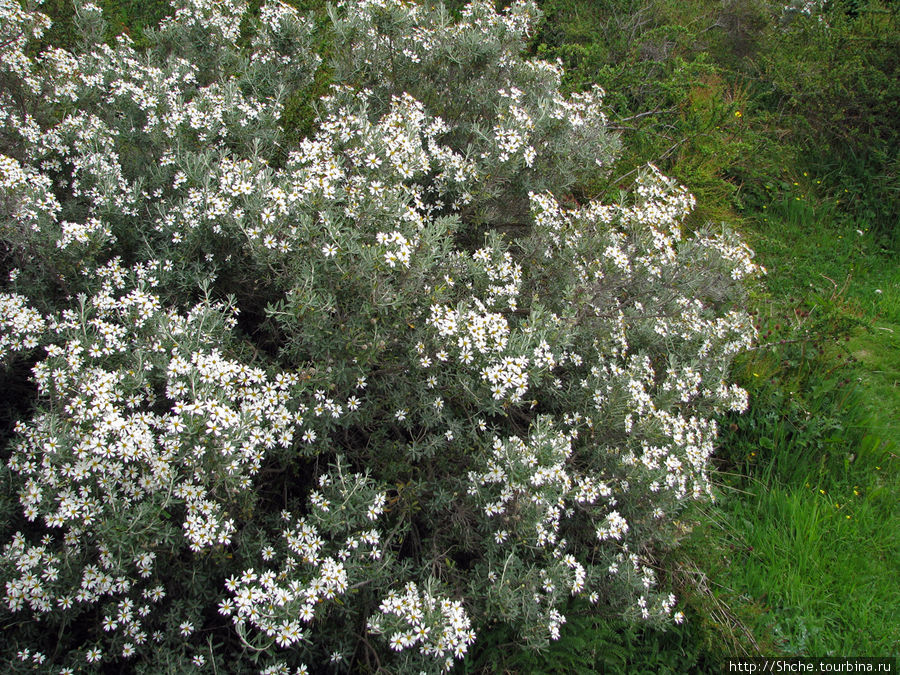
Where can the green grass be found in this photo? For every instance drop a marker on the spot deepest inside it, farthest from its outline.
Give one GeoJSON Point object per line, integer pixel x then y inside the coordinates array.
{"type": "Point", "coordinates": [846, 286]}
{"type": "Point", "coordinates": [805, 542]}
{"type": "Point", "coordinates": [811, 570]}
{"type": "Point", "coordinates": [806, 536]}
{"type": "Point", "coordinates": [592, 644]}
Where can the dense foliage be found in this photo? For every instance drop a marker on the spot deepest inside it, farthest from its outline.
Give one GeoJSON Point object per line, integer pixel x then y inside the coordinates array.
{"type": "Point", "coordinates": [338, 404]}
{"type": "Point", "coordinates": [727, 96]}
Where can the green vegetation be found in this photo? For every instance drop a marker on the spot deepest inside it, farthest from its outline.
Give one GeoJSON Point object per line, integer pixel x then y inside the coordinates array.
{"type": "Point", "coordinates": [786, 127]}
{"type": "Point", "coordinates": [800, 555]}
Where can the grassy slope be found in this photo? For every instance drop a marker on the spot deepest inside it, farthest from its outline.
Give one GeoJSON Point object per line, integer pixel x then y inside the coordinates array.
{"type": "Point", "coordinates": [802, 552]}
{"type": "Point", "coordinates": [817, 530]}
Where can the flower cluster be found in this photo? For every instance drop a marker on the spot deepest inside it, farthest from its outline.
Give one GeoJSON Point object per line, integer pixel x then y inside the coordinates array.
{"type": "Point", "coordinates": [21, 324]}
{"type": "Point", "coordinates": [321, 556]}
{"type": "Point", "coordinates": [438, 627]}
{"type": "Point", "coordinates": [504, 277]}
{"type": "Point", "coordinates": [805, 8]}
{"type": "Point", "coordinates": [104, 434]}
{"type": "Point", "coordinates": [397, 248]}
{"type": "Point", "coordinates": [27, 196]}
{"type": "Point", "coordinates": [19, 28]}
{"type": "Point", "coordinates": [527, 484]}
{"type": "Point", "coordinates": [36, 565]}
{"type": "Point", "coordinates": [508, 135]}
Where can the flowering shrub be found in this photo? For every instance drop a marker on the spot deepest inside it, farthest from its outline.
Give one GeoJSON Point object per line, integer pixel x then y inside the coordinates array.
{"type": "Point", "coordinates": [341, 405]}
{"type": "Point", "coordinates": [805, 8]}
